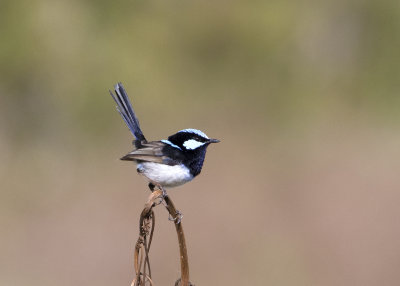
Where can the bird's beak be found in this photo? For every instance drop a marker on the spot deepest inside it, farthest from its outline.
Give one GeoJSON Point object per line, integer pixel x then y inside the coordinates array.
{"type": "Point", "coordinates": [213, 141]}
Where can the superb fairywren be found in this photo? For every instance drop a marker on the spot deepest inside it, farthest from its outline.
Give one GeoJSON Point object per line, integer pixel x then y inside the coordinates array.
{"type": "Point", "coordinates": [165, 163]}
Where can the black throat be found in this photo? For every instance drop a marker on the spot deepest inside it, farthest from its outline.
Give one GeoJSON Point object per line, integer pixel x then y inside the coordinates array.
{"type": "Point", "coordinates": [194, 160]}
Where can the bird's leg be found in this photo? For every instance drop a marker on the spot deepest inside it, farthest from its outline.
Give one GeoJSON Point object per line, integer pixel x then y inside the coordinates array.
{"type": "Point", "coordinates": [153, 186]}
{"type": "Point", "coordinates": [179, 216]}
{"type": "Point", "coordinates": [164, 192]}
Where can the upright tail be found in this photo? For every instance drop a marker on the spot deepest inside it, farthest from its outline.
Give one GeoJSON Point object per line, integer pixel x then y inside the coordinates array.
{"type": "Point", "coordinates": [124, 107]}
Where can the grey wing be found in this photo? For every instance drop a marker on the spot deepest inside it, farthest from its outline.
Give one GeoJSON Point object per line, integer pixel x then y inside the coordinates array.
{"type": "Point", "coordinates": [149, 152]}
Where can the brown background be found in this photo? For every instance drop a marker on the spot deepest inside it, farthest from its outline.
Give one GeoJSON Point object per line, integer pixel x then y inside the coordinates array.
{"type": "Point", "coordinates": [302, 190]}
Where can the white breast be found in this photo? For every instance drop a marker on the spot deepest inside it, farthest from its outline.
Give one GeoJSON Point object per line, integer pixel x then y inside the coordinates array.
{"type": "Point", "coordinates": [165, 175]}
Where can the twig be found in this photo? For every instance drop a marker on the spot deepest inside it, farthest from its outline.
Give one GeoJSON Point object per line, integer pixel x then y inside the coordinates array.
{"type": "Point", "coordinates": [184, 280]}
{"type": "Point", "coordinates": [146, 230]}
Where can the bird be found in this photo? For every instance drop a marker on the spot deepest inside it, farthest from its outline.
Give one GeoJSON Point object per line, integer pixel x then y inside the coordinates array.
{"type": "Point", "coordinates": [165, 163]}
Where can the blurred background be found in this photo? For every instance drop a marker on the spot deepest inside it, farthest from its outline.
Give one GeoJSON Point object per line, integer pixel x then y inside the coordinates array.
{"type": "Point", "coordinates": [302, 190]}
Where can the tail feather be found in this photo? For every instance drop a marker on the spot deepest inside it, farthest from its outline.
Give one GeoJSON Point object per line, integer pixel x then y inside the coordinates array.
{"type": "Point", "coordinates": [124, 107]}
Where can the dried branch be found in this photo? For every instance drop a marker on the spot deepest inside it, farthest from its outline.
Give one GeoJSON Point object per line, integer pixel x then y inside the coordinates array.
{"type": "Point", "coordinates": [184, 280]}
{"type": "Point", "coordinates": [146, 230]}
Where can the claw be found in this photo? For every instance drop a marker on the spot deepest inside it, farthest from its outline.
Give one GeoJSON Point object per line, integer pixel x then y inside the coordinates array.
{"type": "Point", "coordinates": [159, 202]}
{"type": "Point", "coordinates": [164, 194]}
{"type": "Point", "coordinates": [178, 218]}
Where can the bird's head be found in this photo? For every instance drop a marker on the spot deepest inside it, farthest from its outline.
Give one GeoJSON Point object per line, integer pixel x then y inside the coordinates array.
{"type": "Point", "coordinates": [191, 140]}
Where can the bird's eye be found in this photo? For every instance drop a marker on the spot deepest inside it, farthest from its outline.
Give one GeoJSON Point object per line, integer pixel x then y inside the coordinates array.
{"type": "Point", "coordinates": [192, 144]}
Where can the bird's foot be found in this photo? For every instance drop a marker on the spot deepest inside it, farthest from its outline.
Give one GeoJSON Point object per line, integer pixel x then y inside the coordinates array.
{"type": "Point", "coordinates": [178, 217]}
{"type": "Point", "coordinates": [164, 192]}
{"type": "Point", "coordinates": [152, 187]}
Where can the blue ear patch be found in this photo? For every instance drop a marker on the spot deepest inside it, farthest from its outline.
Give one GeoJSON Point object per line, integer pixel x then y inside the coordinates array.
{"type": "Point", "coordinates": [195, 131]}
{"type": "Point", "coordinates": [192, 144]}
{"type": "Point", "coordinates": [171, 144]}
